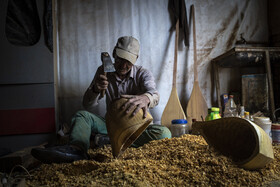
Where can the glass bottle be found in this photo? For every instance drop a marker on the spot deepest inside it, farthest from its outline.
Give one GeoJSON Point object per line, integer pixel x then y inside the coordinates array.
{"type": "Point", "coordinates": [242, 112]}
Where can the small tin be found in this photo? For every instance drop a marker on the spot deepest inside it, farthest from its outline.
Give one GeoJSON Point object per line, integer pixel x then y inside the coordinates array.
{"type": "Point", "coordinates": [275, 131]}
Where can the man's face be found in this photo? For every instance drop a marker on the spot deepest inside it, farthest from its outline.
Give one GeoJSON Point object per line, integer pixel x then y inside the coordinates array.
{"type": "Point", "coordinates": [122, 66]}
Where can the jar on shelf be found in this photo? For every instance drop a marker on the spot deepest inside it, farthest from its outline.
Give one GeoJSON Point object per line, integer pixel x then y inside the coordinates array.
{"type": "Point", "coordinates": [179, 127]}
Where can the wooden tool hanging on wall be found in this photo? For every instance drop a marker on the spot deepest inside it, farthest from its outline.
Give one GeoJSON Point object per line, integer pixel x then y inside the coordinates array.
{"type": "Point", "coordinates": [173, 109]}
{"type": "Point", "coordinates": [197, 106]}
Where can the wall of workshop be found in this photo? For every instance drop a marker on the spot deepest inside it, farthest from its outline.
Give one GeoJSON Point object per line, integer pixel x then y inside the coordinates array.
{"type": "Point", "coordinates": [274, 24]}
{"type": "Point", "coordinates": [274, 38]}
{"type": "Point", "coordinates": [89, 27]}
{"type": "Point", "coordinates": [26, 90]}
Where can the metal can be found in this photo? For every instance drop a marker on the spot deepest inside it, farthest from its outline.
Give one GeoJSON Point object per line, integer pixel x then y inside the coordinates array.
{"type": "Point", "coordinates": [275, 132]}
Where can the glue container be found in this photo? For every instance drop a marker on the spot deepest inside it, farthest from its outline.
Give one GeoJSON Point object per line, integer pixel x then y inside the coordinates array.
{"type": "Point", "coordinates": [265, 123]}
{"type": "Point", "coordinates": [179, 127]}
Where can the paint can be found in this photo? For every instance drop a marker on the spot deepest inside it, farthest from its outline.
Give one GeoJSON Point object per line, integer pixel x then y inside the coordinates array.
{"type": "Point", "coordinates": [275, 131]}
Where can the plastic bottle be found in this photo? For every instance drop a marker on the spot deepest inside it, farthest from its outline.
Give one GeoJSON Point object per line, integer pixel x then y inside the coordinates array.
{"type": "Point", "coordinates": [247, 115]}
{"type": "Point", "coordinates": [179, 127]}
{"type": "Point", "coordinates": [230, 108]}
{"type": "Point", "coordinates": [265, 123]}
{"type": "Point", "coordinates": [242, 112]}
{"type": "Point", "coordinates": [208, 117]}
{"type": "Point", "coordinates": [215, 113]}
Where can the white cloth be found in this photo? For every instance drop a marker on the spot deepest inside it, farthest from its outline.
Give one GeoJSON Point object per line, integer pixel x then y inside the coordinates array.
{"type": "Point", "coordinates": [89, 27]}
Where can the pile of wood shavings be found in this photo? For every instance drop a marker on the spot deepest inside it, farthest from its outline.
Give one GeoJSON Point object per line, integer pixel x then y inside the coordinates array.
{"type": "Point", "coordinates": [184, 161]}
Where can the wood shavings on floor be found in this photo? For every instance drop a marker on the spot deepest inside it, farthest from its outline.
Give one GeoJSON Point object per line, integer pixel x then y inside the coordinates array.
{"type": "Point", "coordinates": [184, 161]}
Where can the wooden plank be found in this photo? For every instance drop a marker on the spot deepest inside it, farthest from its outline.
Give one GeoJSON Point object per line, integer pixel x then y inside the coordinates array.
{"type": "Point", "coordinates": [270, 85]}
{"type": "Point", "coordinates": [217, 84]}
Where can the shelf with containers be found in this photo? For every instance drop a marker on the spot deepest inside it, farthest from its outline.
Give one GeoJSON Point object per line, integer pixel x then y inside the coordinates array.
{"type": "Point", "coordinates": [266, 59]}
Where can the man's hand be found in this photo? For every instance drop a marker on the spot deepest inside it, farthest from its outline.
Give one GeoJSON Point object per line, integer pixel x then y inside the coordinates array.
{"type": "Point", "coordinates": [101, 83]}
{"type": "Point", "coordinates": [138, 101]}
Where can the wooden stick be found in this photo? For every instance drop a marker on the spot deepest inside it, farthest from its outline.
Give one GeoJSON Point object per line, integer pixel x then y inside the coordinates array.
{"type": "Point", "coordinates": [194, 46]}
{"type": "Point", "coordinates": [175, 55]}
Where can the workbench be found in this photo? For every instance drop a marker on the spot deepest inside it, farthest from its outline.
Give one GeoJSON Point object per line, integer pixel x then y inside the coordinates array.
{"type": "Point", "coordinates": [240, 57]}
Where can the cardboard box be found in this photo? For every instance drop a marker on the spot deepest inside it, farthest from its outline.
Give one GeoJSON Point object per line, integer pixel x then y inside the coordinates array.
{"type": "Point", "coordinates": [224, 100]}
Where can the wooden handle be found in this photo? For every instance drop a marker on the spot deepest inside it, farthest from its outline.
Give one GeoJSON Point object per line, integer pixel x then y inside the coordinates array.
{"type": "Point", "coordinates": [194, 45]}
{"type": "Point", "coordinates": [103, 91]}
{"type": "Point", "coordinates": [175, 55]}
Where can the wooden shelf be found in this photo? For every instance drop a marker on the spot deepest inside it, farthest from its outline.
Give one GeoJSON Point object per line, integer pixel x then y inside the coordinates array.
{"type": "Point", "coordinates": [239, 57]}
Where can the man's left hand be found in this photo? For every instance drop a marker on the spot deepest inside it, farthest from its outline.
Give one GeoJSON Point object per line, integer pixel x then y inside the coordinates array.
{"type": "Point", "coordinates": [138, 101]}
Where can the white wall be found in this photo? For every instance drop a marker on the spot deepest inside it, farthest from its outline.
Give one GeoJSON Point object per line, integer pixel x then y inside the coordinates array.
{"type": "Point", "coordinates": [89, 27]}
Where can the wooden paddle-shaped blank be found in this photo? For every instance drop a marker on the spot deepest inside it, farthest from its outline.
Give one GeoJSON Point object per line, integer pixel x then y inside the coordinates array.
{"type": "Point", "coordinates": [197, 106]}
{"type": "Point", "coordinates": [173, 109]}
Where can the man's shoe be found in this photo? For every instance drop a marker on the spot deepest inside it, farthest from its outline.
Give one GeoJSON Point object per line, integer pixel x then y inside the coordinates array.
{"type": "Point", "coordinates": [58, 154]}
{"type": "Point", "coordinates": [100, 140]}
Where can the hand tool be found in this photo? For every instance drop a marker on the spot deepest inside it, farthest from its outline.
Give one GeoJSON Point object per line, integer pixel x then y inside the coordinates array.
{"type": "Point", "coordinates": [107, 65]}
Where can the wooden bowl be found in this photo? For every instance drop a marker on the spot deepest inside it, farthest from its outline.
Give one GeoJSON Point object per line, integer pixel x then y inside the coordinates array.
{"type": "Point", "coordinates": [123, 128]}
{"type": "Point", "coordinates": [242, 140]}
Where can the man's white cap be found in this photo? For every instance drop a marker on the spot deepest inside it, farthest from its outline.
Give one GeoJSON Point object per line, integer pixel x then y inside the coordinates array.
{"type": "Point", "coordinates": [127, 48]}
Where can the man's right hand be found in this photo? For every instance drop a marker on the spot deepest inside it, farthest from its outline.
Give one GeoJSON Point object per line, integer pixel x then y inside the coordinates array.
{"type": "Point", "coordinates": [101, 83]}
